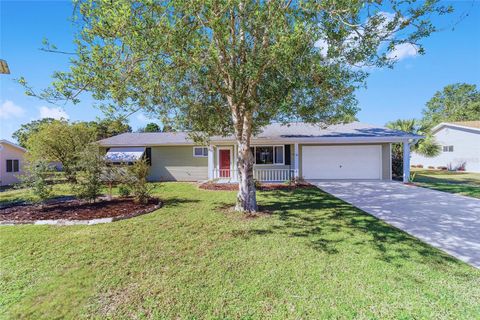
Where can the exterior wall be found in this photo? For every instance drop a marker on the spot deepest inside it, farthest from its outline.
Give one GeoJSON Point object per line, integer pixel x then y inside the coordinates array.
{"type": "Point", "coordinates": [466, 150]}
{"type": "Point", "coordinates": [10, 153]}
{"type": "Point", "coordinates": [386, 164]}
{"type": "Point", "coordinates": [177, 163]}
{"type": "Point", "coordinates": [263, 166]}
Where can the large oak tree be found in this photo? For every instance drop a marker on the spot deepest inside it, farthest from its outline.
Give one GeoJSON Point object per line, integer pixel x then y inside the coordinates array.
{"type": "Point", "coordinates": [233, 66]}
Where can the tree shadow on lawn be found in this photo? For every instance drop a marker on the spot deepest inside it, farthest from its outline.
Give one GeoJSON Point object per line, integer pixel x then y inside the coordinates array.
{"type": "Point", "coordinates": [330, 224]}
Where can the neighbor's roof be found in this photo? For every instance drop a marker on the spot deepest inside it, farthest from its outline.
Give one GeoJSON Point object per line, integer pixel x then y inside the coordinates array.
{"type": "Point", "coordinates": [459, 124]}
{"type": "Point", "coordinates": [3, 141]}
{"type": "Point", "coordinates": [293, 132]}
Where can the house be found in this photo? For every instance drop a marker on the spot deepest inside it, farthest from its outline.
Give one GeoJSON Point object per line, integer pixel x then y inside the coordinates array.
{"type": "Point", "coordinates": [460, 147]}
{"type": "Point", "coordinates": [282, 152]}
{"type": "Point", "coordinates": [11, 162]}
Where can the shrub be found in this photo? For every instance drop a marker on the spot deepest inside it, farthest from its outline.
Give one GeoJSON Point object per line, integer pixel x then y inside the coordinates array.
{"type": "Point", "coordinates": [124, 190]}
{"type": "Point", "coordinates": [442, 168]}
{"type": "Point", "coordinates": [431, 167]}
{"type": "Point", "coordinates": [89, 174]}
{"type": "Point", "coordinates": [419, 165]}
{"type": "Point", "coordinates": [36, 178]}
{"type": "Point", "coordinates": [140, 189]}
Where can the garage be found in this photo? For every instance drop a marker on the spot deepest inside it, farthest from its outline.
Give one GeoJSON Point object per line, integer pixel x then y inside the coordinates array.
{"type": "Point", "coordinates": [342, 162]}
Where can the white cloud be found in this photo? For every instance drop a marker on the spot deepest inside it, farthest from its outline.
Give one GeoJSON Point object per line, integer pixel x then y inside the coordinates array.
{"type": "Point", "coordinates": [55, 113]}
{"type": "Point", "coordinates": [9, 110]}
{"type": "Point", "coordinates": [402, 51]}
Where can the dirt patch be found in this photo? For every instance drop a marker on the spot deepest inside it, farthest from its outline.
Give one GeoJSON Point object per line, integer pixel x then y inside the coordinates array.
{"type": "Point", "coordinates": [263, 186]}
{"type": "Point", "coordinates": [78, 210]}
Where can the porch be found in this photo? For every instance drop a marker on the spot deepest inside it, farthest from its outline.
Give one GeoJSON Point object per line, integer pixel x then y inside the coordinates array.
{"type": "Point", "coordinates": [272, 163]}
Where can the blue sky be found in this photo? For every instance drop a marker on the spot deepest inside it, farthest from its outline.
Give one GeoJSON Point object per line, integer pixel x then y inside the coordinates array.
{"type": "Point", "coordinates": [451, 56]}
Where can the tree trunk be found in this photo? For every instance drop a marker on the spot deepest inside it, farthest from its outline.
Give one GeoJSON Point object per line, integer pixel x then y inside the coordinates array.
{"type": "Point", "coordinates": [246, 198]}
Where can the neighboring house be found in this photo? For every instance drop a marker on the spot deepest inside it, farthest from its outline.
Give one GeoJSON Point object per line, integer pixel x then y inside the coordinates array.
{"type": "Point", "coordinates": [460, 147]}
{"type": "Point", "coordinates": [281, 152]}
{"type": "Point", "coordinates": [11, 162]}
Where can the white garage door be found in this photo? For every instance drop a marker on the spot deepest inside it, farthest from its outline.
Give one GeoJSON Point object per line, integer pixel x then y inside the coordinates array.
{"type": "Point", "coordinates": [342, 162]}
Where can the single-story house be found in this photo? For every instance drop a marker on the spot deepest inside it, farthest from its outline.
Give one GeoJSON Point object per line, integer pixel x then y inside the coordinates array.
{"type": "Point", "coordinates": [460, 147]}
{"type": "Point", "coordinates": [282, 152]}
{"type": "Point", "coordinates": [11, 162]}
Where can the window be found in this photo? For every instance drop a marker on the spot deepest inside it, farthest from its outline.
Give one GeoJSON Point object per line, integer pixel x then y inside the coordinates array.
{"type": "Point", "coordinates": [13, 166]}
{"type": "Point", "coordinates": [268, 154]}
{"type": "Point", "coordinates": [447, 148]}
{"type": "Point", "coordinates": [200, 152]}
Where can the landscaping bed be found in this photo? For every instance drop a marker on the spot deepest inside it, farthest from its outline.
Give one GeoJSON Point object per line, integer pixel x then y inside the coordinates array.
{"type": "Point", "coordinates": [262, 187]}
{"type": "Point", "coordinates": [74, 209]}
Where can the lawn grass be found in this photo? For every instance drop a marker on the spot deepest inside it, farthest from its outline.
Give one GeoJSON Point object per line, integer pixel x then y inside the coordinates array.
{"type": "Point", "coordinates": [314, 257]}
{"type": "Point", "coordinates": [22, 194]}
{"type": "Point", "coordinates": [464, 183]}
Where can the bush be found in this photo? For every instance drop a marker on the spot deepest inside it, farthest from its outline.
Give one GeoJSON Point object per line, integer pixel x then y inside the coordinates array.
{"type": "Point", "coordinates": [419, 165]}
{"type": "Point", "coordinates": [442, 168]}
{"type": "Point", "coordinates": [89, 174]}
{"type": "Point", "coordinates": [431, 167]}
{"type": "Point", "coordinates": [37, 179]}
{"type": "Point", "coordinates": [124, 190]}
{"type": "Point", "coordinates": [140, 189]}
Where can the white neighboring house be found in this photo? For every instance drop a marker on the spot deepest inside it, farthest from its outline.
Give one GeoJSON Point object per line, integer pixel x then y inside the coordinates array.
{"type": "Point", "coordinates": [11, 162]}
{"type": "Point", "coordinates": [460, 147]}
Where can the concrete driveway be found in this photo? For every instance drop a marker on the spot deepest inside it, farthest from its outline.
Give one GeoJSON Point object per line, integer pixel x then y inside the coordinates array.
{"type": "Point", "coordinates": [447, 221]}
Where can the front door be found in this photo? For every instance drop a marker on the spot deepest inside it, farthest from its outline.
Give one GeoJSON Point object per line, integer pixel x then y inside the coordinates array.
{"type": "Point", "coordinates": [224, 160]}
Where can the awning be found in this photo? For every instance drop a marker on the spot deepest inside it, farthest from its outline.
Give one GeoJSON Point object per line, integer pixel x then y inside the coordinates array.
{"type": "Point", "coordinates": [130, 154]}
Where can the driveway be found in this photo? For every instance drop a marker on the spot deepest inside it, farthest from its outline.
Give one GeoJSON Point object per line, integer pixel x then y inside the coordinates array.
{"type": "Point", "coordinates": [447, 221]}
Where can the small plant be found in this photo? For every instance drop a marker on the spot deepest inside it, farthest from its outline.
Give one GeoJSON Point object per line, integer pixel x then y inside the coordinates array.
{"type": "Point", "coordinates": [36, 179]}
{"type": "Point", "coordinates": [124, 190]}
{"type": "Point", "coordinates": [89, 172]}
{"type": "Point", "coordinates": [412, 176]}
{"type": "Point", "coordinates": [431, 167]}
{"type": "Point", "coordinates": [141, 191]}
{"type": "Point", "coordinates": [258, 185]}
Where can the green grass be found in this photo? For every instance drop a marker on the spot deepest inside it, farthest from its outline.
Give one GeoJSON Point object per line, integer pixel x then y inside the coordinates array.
{"type": "Point", "coordinates": [15, 195]}
{"type": "Point", "coordinates": [467, 184]}
{"type": "Point", "coordinates": [314, 257]}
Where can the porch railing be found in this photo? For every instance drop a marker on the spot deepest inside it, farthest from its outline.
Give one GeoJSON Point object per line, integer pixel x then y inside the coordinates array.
{"type": "Point", "coordinates": [259, 174]}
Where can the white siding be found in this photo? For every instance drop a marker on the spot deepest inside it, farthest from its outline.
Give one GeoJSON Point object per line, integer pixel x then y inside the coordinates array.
{"type": "Point", "coordinates": [466, 149]}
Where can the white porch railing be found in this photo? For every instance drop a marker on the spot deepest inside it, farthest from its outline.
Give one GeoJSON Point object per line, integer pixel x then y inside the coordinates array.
{"type": "Point", "coordinates": [259, 174]}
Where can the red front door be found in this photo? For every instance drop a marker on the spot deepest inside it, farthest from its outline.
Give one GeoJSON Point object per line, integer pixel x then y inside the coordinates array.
{"type": "Point", "coordinates": [224, 163]}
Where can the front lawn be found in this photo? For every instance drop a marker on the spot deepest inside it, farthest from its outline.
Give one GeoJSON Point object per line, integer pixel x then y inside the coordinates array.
{"type": "Point", "coordinates": [467, 184]}
{"type": "Point", "coordinates": [314, 257]}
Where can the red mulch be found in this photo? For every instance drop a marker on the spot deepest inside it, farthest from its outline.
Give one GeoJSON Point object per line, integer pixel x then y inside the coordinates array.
{"type": "Point", "coordinates": [78, 210]}
{"type": "Point", "coordinates": [263, 186]}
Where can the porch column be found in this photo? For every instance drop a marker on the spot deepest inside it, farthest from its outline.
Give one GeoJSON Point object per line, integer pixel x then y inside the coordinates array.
{"type": "Point", "coordinates": [210, 163]}
{"type": "Point", "coordinates": [406, 161]}
{"type": "Point", "coordinates": [295, 161]}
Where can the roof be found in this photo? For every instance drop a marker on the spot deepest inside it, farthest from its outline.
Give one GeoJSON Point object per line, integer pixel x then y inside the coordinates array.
{"type": "Point", "coordinates": [293, 132]}
{"type": "Point", "coordinates": [470, 124]}
{"type": "Point", "coordinates": [3, 141]}
{"type": "Point", "coordinates": [475, 125]}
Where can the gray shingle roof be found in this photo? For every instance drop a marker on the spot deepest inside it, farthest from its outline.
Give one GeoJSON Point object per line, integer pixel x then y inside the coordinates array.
{"type": "Point", "coordinates": [298, 131]}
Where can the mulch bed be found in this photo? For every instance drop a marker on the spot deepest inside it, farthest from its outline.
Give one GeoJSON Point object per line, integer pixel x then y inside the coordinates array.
{"type": "Point", "coordinates": [74, 209]}
{"type": "Point", "coordinates": [263, 186]}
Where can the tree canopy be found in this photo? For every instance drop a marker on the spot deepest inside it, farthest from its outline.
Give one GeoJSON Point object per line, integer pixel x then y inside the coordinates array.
{"type": "Point", "coordinates": [108, 127]}
{"type": "Point", "coordinates": [151, 127]}
{"type": "Point", "coordinates": [455, 102]}
{"type": "Point", "coordinates": [27, 129]}
{"type": "Point", "coordinates": [61, 141]}
{"type": "Point", "coordinates": [231, 67]}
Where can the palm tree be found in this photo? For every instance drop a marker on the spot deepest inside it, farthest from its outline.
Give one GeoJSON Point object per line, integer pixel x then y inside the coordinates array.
{"type": "Point", "coordinates": [427, 146]}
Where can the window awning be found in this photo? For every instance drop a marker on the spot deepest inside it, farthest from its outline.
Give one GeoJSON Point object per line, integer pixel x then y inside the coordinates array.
{"type": "Point", "coordinates": [130, 154]}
